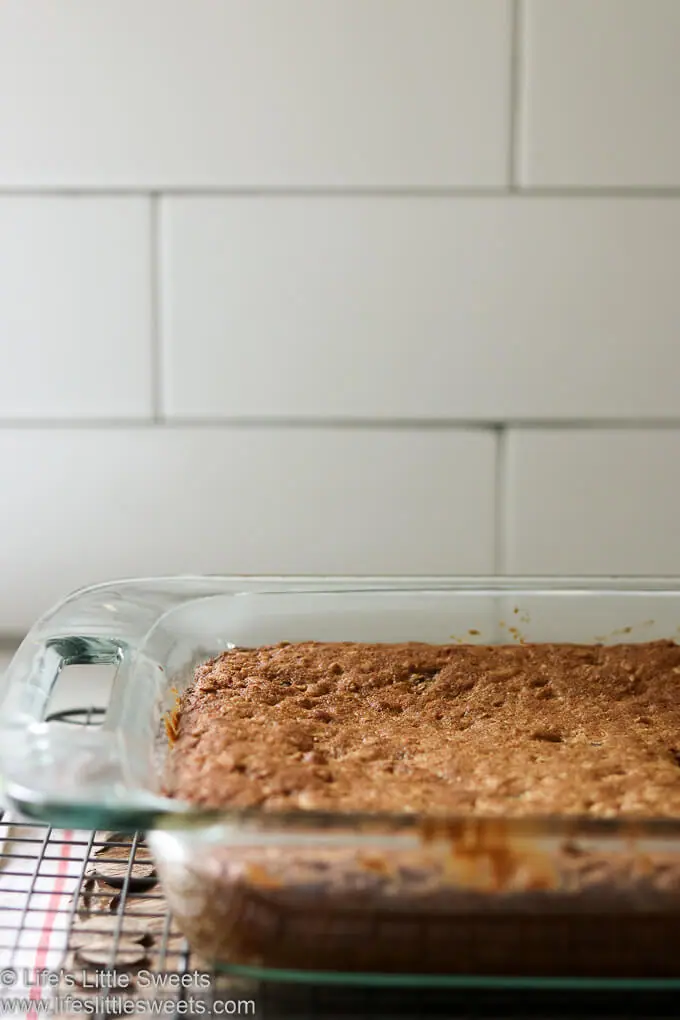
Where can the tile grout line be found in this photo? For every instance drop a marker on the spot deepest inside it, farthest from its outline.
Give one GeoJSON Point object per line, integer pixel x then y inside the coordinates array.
{"type": "Point", "coordinates": [260, 191]}
{"type": "Point", "coordinates": [515, 70]}
{"type": "Point", "coordinates": [156, 325]}
{"type": "Point", "coordinates": [402, 424]}
{"type": "Point", "coordinates": [500, 500]}
{"type": "Point", "coordinates": [632, 191]}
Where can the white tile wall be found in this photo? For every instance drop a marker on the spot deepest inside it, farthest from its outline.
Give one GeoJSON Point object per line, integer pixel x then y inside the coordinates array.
{"type": "Point", "coordinates": [118, 502]}
{"type": "Point", "coordinates": [384, 219]}
{"type": "Point", "coordinates": [477, 308]}
{"type": "Point", "coordinates": [194, 93]}
{"type": "Point", "coordinates": [75, 308]}
{"type": "Point", "coordinates": [584, 502]}
{"type": "Point", "coordinates": [600, 93]}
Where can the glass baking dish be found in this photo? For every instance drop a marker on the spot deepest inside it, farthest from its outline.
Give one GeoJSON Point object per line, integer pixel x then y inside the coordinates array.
{"type": "Point", "coordinates": [362, 898]}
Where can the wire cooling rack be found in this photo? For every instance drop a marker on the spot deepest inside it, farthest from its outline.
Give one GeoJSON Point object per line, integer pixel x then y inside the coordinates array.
{"type": "Point", "coordinates": [82, 916]}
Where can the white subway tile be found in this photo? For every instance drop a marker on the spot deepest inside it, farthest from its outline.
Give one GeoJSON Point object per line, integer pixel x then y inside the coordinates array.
{"type": "Point", "coordinates": [600, 93]}
{"type": "Point", "coordinates": [75, 315]}
{"type": "Point", "coordinates": [491, 308]}
{"type": "Point", "coordinates": [585, 501]}
{"type": "Point", "coordinates": [103, 503]}
{"type": "Point", "coordinates": [254, 92]}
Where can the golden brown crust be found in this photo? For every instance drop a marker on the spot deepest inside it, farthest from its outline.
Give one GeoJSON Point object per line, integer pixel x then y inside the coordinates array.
{"type": "Point", "coordinates": [488, 730]}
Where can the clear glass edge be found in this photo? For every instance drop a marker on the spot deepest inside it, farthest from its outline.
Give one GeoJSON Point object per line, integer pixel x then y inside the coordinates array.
{"type": "Point", "coordinates": [118, 817]}
{"type": "Point", "coordinates": [159, 594]}
{"type": "Point", "coordinates": [453, 981]}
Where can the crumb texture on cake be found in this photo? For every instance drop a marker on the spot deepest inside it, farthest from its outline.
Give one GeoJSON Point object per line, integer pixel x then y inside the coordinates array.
{"type": "Point", "coordinates": [472, 729]}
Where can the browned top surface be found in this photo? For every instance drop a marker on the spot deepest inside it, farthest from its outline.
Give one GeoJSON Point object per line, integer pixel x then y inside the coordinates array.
{"type": "Point", "coordinates": [511, 730]}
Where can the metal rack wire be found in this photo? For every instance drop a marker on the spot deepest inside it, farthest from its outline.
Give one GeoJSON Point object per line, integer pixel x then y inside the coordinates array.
{"type": "Point", "coordinates": [33, 854]}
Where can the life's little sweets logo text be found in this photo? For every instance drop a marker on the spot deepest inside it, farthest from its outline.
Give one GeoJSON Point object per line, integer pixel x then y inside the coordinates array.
{"type": "Point", "coordinates": [41, 977]}
{"type": "Point", "coordinates": [113, 993]}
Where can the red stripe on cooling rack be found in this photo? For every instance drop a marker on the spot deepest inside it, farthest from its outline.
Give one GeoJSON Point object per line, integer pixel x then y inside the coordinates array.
{"type": "Point", "coordinates": [43, 946]}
